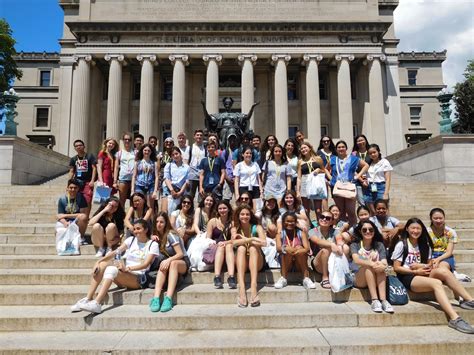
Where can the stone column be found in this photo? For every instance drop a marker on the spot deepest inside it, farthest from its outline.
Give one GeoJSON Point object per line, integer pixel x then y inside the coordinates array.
{"type": "Point", "coordinates": [281, 96]}
{"type": "Point", "coordinates": [393, 123]}
{"type": "Point", "coordinates": [344, 98]}
{"type": "Point", "coordinates": [376, 132]}
{"type": "Point", "coordinates": [212, 81]}
{"type": "Point", "coordinates": [114, 97]}
{"type": "Point", "coordinates": [247, 61]}
{"type": "Point", "coordinates": [178, 112]}
{"type": "Point", "coordinates": [81, 99]}
{"type": "Point", "coordinates": [313, 109]}
{"type": "Point", "coordinates": [146, 94]}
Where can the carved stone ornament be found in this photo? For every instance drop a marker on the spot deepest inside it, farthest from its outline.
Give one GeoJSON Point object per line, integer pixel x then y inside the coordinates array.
{"type": "Point", "coordinates": [340, 57]}
{"type": "Point", "coordinates": [216, 57]}
{"type": "Point", "coordinates": [381, 57]}
{"type": "Point", "coordinates": [182, 57]}
{"type": "Point", "coordinates": [151, 57]}
{"type": "Point", "coordinates": [310, 57]}
{"type": "Point", "coordinates": [277, 57]}
{"type": "Point", "coordinates": [119, 57]}
{"type": "Point", "coordinates": [243, 57]}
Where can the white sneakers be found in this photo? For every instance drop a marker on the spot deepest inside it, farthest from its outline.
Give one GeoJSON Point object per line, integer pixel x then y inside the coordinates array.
{"type": "Point", "coordinates": [379, 307]}
{"type": "Point", "coordinates": [100, 253]}
{"type": "Point", "coordinates": [86, 305]}
{"type": "Point", "coordinates": [77, 307]}
{"type": "Point", "coordinates": [307, 283]}
{"type": "Point", "coordinates": [281, 283]}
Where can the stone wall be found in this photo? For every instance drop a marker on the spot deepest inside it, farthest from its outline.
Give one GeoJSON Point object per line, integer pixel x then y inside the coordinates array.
{"type": "Point", "coordinates": [447, 158]}
{"type": "Point", "coordinates": [25, 163]}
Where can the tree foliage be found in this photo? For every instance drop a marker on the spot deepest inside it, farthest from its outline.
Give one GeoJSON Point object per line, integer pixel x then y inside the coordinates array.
{"type": "Point", "coordinates": [8, 67]}
{"type": "Point", "coordinates": [464, 101]}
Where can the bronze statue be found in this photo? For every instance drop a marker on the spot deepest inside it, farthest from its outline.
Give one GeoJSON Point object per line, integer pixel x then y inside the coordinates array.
{"type": "Point", "coordinates": [227, 124]}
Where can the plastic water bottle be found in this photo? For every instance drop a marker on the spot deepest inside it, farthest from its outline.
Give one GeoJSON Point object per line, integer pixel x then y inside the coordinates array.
{"type": "Point", "coordinates": [117, 258]}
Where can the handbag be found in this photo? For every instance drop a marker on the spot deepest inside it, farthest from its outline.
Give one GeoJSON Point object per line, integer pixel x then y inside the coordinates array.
{"type": "Point", "coordinates": [316, 187]}
{"type": "Point", "coordinates": [340, 276]}
{"type": "Point", "coordinates": [209, 255]}
{"type": "Point", "coordinates": [68, 241]}
{"type": "Point", "coordinates": [344, 190]}
{"type": "Point", "coordinates": [101, 194]}
{"type": "Point", "coordinates": [396, 293]}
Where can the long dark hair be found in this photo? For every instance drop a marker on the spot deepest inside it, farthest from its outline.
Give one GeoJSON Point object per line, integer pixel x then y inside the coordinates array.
{"type": "Point", "coordinates": [145, 225]}
{"type": "Point", "coordinates": [283, 153]}
{"type": "Point", "coordinates": [274, 213]}
{"type": "Point", "coordinates": [424, 241]}
{"type": "Point", "coordinates": [433, 211]}
{"type": "Point", "coordinates": [168, 229]}
{"type": "Point", "coordinates": [230, 214]}
{"type": "Point", "coordinates": [142, 196]}
{"type": "Point", "coordinates": [296, 150]}
{"type": "Point", "coordinates": [253, 219]}
{"type": "Point", "coordinates": [332, 147]}
{"type": "Point", "coordinates": [377, 235]}
{"type": "Point", "coordinates": [296, 203]}
{"type": "Point", "coordinates": [265, 147]}
{"type": "Point", "coordinates": [118, 215]}
{"type": "Point", "coordinates": [140, 152]}
{"type": "Point", "coordinates": [355, 148]}
{"type": "Point", "coordinates": [191, 209]}
{"type": "Point", "coordinates": [285, 216]}
{"type": "Point", "coordinates": [377, 148]}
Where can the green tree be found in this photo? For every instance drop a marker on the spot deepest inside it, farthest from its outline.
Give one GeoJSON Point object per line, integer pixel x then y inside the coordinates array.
{"type": "Point", "coordinates": [464, 101]}
{"type": "Point", "coordinates": [8, 67]}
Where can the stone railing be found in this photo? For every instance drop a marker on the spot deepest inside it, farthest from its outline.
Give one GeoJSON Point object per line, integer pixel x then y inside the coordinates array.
{"type": "Point", "coordinates": [446, 158]}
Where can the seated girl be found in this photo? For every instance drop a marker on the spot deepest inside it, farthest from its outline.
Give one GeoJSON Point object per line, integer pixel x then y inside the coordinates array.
{"type": "Point", "coordinates": [291, 203]}
{"type": "Point", "coordinates": [248, 238]}
{"type": "Point", "coordinates": [413, 263]}
{"type": "Point", "coordinates": [204, 213]}
{"type": "Point", "coordinates": [339, 224]}
{"type": "Point", "coordinates": [323, 239]}
{"type": "Point", "coordinates": [389, 226]}
{"type": "Point", "coordinates": [107, 225]}
{"type": "Point", "coordinates": [138, 210]}
{"type": "Point", "coordinates": [348, 233]}
{"type": "Point", "coordinates": [293, 245]}
{"type": "Point", "coordinates": [269, 220]}
{"type": "Point", "coordinates": [182, 219]}
{"type": "Point", "coordinates": [175, 262]}
{"type": "Point", "coordinates": [140, 253]}
{"type": "Point", "coordinates": [369, 262]}
{"type": "Point", "coordinates": [218, 229]}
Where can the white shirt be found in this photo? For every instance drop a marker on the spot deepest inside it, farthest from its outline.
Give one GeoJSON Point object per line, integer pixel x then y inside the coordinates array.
{"type": "Point", "coordinates": [413, 256]}
{"type": "Point", "coordinates": [376, 172]}
{"type": "Point", "coordinates": [137, 252]}
{"type": "Point", "coordinates": [248, 174]}
{"type": "Point", "coordinates": [198, 152]}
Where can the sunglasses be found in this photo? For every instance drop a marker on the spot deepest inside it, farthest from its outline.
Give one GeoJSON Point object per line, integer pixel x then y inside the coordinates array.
{"type": "Point", "coordinates": [325, 218]}
{"type": "Point", "coordinates": [325, 141]}
{"type": "Point", "coordinates": [367, 230]}
{"type": "Point", "coordinates": [186, 202]}
{"type": "Point", "coordinates": [244, 198]}
{"type": "Point", "coordinates": [127, 140]}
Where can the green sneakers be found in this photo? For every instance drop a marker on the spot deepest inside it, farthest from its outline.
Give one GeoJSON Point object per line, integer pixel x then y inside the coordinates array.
{"type": "Point", "coordinates": [167, 304]}
{"type": "Point", "coordinates": [155, 304]}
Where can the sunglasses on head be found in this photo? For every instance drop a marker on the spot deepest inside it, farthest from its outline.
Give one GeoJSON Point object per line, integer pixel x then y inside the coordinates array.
{"type": "Point", "coordinates": [325, 218]}
{"type": "Point", "coordinates": [367, 230]}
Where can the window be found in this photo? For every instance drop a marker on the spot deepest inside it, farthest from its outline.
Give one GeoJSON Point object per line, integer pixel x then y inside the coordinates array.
{"type": "Point", "coordinates": [136, 89]}
{"type": "Point", "coordinates": [42, 117]}
{"type": "Point", "coordinates": [45, 78]}
{"type": "Point", "coordinates": [167, 89]}
{"type": "Point", "coordinates": [105, 88]}
{"type": "Point", "coordinates": [412, 73]}
{"type": "Point", "coordinates": [323, 88]}
{"type": "Point", "coordinates": [292, 131]}
{"type": "Point", "coordinates": [292, 87]}
{"type": "Point", "coordinates": [324, 130]}
{"type": "Point", "coordinates": [355, 130]}
{"type": "Point", "coordinates": [415, 115]}
{"type": "Point", "coordinates": [353, 87]}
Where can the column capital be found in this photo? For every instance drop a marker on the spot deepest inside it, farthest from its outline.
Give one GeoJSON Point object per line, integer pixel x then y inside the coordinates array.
{"type": "Point", "coordinates": [243, 57]}
{"type": "Point", "coordinates": [179, 57]}
{"type": "Point", "coordinates": [278, 57]}
{"type": "Point", "coordinates": [307, 58]}
{"type": "Point", "coordinates": [150, 57]}
{"type": "Point", "coordinates": [86, 57]}
{"type": "Point", "coordinates": [215, 57]}
{"type": "Point", "coordinates": [118, 57]}
{"type": "Point", "coordinates": [340, 57]}
{"type": "Point", "coordinates": [372, 57]}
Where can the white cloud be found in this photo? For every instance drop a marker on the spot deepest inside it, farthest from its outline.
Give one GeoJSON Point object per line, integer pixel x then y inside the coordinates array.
{"type": "Point", "coordinates": [438, 25]}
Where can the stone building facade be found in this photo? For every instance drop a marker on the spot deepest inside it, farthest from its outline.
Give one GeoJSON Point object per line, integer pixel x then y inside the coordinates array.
{"type": "Point", "coordinates": [327, 67]}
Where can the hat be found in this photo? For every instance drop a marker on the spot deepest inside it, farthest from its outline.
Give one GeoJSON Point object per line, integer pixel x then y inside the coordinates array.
{"type": "Point", "coordinates": [169, 139]}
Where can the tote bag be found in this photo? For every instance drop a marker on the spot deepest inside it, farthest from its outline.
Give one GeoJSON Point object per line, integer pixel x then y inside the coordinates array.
{"type": "Point", "coordinates": [316, 187]}
{"type": "Point", "coordinates": [68, 241]}
{"type": "Point", "coordinates": [396, 293]}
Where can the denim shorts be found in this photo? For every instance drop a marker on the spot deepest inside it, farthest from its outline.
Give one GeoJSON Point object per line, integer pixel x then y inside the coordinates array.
{"type": "Point", "coordinates": [371, 197]}
{"type": "Point", "coordinates": [146, 190]}
{"type": "Point", "coordinates": [450, 260]}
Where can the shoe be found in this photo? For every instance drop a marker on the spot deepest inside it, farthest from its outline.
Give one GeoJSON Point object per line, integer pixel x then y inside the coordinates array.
{"type": "Point", "coordinates": [77, 306]}
{"type": "Point", "coordinates": [325, 284]}
{"type": "Point", "coordinates": [467, 304]}
{"type": "Point", "coordinates": [231, 282]}
{"type": "Point", "coordinates": [376, 306]}
{"type": "Point", "coordinates": [167, 304]}
{"type": "Point", "coordinates": [255, 303]}
{"type": "Point", "coordinates": [242, 305]}
{"type": "Point", "coordinates": [461, 277]}
{"type": "Point", "coordinates": [108, 250]}
{"type": "Point", "coordinates": [84, 242]}
{"type": "Point", "coordinates": [308, 284]}
{"type": "Point", "coordinates": [218, 282]}
{"type": "Point", "coordinates": [461, 325]}
{"type": "Point", "coordinates": [100, 253]}
{"type": "Point", "coordinates": [281, 283]}
{"type": "Point", "coordinates": [155, 304]}
{"type": "Point", "coordinates": [387, 307]}
{"type": "Point", "coordinates": [92, 306]}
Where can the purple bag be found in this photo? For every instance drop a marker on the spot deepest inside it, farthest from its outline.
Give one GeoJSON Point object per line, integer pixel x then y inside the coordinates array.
{"type": "Point", "coordinates": [209, 255]}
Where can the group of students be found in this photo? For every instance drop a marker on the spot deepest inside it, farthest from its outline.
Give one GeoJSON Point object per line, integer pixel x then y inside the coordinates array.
{"type": "Point", "coordinates": [269, 226]}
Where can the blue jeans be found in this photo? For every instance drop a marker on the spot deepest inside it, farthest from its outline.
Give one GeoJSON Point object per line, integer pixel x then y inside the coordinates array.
{"type": "Point", "coordinates": [371, 197]}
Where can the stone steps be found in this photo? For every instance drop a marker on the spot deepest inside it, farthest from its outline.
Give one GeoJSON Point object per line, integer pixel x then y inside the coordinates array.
{"type": "Point", "coordinates": [194, 294]}
{"type": "Point", "coordinates": [221, 316]}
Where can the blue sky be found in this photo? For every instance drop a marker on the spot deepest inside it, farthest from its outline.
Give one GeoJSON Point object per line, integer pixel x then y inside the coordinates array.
{"type": "Point", "coordinates": [421, 25]}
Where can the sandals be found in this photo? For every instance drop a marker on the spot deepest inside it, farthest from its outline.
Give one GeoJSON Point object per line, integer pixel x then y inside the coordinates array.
{"type": "Point", "coordinates": [242, 305]}
{"type": "Point", "coordinates": [255, 302]}
{"type": "Point", "coordinates": [325, 284]}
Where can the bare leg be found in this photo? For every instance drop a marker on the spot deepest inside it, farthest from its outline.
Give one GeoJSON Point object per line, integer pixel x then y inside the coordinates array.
{"type": "Point", "coordinates": [230, 259]}
{"type": "Point", "coordinates": [317, 204]}
{"type": "Point", "coordinates": [302, 263]}
{"type": "Point", "coordinates": [177, 267]}
{"type": "Point", "coordinates": [111, 232]}
{"type": "Point", "coordinates": [98, 235]}
{"type": "Point", "coordinates": [446, 276]}
{"type": "Point", "coordinates": [164, 204]}
{"type": "Point", "coordinates": [255, 264]}
{"type": "Point", "coordinates": [321, 263]}
{"type": "Point", "coordinates": [123, 279]}
{"type": "Point", "coordinates": [342, 207]}
{"type": "Point", "coordinates": [241, 269]}
{"type": "Point", "coordinates": [307, 206]}
{"type": "Point", "coordinates": [366, 275]}
{"type": "Point", "coordinates": [81, 222]}
{"type": "Point", "coordinates": [160, 281]}
{"type": "Point", "coordinates": [428, 284]}
{"type": "Point", "coordinates": [350, 210]}
{"type": "Point", "coordinates": [219, 259]}
{"type": "Point", "coordinates": [286, 262]}
{"type": "Point", "coordinates": [371, 208]}
{"type": "Point", "coordinates": [381, 284]}
{"type": "Point", "coordinates": [124, 189]}
{"type": "Point", "coordinates": [96, 279]}
{"type": "Point", "coordinates": [324, 204]}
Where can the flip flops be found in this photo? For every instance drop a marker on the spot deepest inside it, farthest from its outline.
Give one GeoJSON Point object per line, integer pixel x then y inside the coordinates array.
{"type": "Point", "coordinates": [325, 284]}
